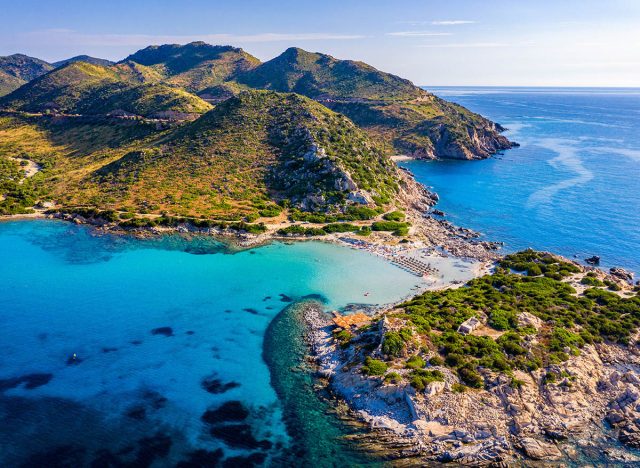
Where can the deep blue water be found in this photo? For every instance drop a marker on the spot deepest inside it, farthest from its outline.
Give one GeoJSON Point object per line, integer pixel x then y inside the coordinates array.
{"type": "Point", "coordinates": [151, 324]}
{"type": "Point", "coordinates": [573, 187]}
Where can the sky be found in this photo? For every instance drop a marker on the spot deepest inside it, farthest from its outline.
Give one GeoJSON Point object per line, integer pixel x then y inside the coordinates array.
{"type": "Point", "coordinates": [431, 42]}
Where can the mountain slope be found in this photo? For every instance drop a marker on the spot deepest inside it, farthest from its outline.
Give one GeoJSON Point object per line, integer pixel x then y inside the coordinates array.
{"type": "Point", "coordinates": [83, 58]}
{"type": "Point", "coordinates": [83, 88]}
{"type": "Point", "coordinates": [194, 66]}
{"type": "Point", "coordinates": [401, 116]}
{"type": "Point", "coordinates": [253, 148]}
{"type": "Point", "coordinates": [320, 76]}
{"type": "Point", "coordinates": [18, 69]}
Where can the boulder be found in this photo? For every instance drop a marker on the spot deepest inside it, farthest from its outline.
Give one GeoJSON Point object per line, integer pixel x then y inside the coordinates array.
{"type": "Point", "coordinates": [539, 450]}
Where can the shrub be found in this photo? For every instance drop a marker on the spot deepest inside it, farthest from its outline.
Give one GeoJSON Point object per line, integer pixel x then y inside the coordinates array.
{"type": "Point", "coordinates": [392, 377]}
{"type": "Point", "coordinates": [344, 337]}
{"type": "Point", "coordinates": [436, 361]}
{"type": "Point", "coordinates": [394, 342]}
{"type": "Point", "coordinates": [420, 378]}
{"type": "Point", "coordinates": [591, 281]}
{"type": "Point", "coordinates": [374, 366]}
{"type": "Point", "coordinates": [415, 362]}
{"type": "Point", "coordinates": [501, 319]}
{"type": "Point", "coordinates": [470, 377]}
{"type": "Point", "coordinates": [394, 216]}
{"type": "Point", "coordinates": [388, 226]}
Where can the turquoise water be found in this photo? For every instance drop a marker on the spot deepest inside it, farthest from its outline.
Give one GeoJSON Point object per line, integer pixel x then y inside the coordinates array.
{"type": "Point", "coordinates": [573, 187]}
{"type": "Point", "coordinates": [162, 331]}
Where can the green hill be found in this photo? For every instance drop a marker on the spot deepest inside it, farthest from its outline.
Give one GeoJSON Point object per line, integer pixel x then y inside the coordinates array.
{"type": "Point", "coordinates": [18, 69]}
{"type": "Point", "coordinates": [83, 58]}
{"type": "Point", "coordinates": [254, 148]}
{"type": "Point", "coordinates": [83, 88]}
{"type": "Point", "coordinates": [402, 117]}
{"type": "Point", "coordinates": [239, 159]}
{"type": "Point", "coordinates": [193, 66]}
{"type": "Point", "coordinates": [320, 76]}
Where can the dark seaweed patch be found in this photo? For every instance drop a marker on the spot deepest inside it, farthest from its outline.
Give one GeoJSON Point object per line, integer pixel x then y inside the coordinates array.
{"type": "Point", "coordinates": [216, 386]}
{"type": "Point", "coordinates": [285, 298]}
{"type": "Point", "coordinates": [251, 311]}
{"type": "Point", "coordinates": [255, 459]}
{"type": "Point", "coordinates": [137, 412]}
{"type": "Point", "coordinates": [109, 350]}
{"type": "Point", "coordinates": [30, 381]}
{"type": "Point", "coordinates": [164, 331]}
{"type": "Point", "coordinates": [201, 459]}
{"type": "Point", "coordinates": [229, 411]}
{"type": "Point", "coordinates": [239, 436]}
{"type": "Point", "coordinates": [57, 457]}
{"type": "Point", "coordinates": [105, 459]}
{"type": "Point", "coordinates": [136, 342]}
{"type": "Point", "coordinates": [152, 448]}
{"type": "Point", "coordinates": [154, 399]}
{"type": "Point", "coordinates": [189, 332]}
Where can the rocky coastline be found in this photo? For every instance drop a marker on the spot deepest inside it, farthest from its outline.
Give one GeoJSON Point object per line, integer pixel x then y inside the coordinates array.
{"type": "Point", "coordinates": [592, 415]}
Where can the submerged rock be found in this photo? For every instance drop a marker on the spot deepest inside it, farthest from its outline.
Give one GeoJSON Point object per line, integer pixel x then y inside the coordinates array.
{"type": "Point", "coordinates": [229, 411]}
{"type": "Point", "coordinates": [164, 331]}
{"type": "Point", "coordinates": [202, 458]}
{"type": "Point", "coordinates": [30, 381]}
{"type": "Point", "coordinates": [239, 436]}
{"type": "Point", "coordinates": [217, 386]}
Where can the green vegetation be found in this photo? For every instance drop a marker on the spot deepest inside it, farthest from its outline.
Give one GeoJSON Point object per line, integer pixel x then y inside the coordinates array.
{"type": "Point", "coordinates": [374, 367]}
{"type": "Point", "coordinates": [322, 76]}
{"type": "Point", "coordinates": [394, 216]}
{"type": "Point", "coordinates": [420, 378]}
{"type": "Point", "coordinates": [570, 321]}
{"type": "Point", "coordinates": [82, 88]}
{"type": "Point", "coordinates": [394, 342]}
{"type": "Point", "coordinates": [539, 263]}
{"type": "Point", "coordinates": [415, 362]}
{"type": "Point", "coordinates": [120, 145]}
{"type": "Point", "coordinates": [398, 229]}
{"type": "Point", "coordinates": [18, 69]}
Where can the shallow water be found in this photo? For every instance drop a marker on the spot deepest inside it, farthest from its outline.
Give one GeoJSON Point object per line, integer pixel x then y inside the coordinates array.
{"type": "Point", "coordinates": [573, 187]}
{"type": "Point", "coordinates": [148, 321]}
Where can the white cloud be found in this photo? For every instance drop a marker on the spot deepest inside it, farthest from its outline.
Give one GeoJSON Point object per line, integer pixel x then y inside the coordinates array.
{"type": "Point", "coordinates": [70, 37]}
{"type": "Point", "coordinates": [417, 33]}
{"type": "Point", "coordinates": [463, 45]}
{"type": "Point", "coordinates": [452, 22]}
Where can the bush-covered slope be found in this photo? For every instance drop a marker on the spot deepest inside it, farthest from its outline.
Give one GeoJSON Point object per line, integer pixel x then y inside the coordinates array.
{"type": "Point", "coordinates": [18, 69]}
{"type": "Point", "coordinates": [83, 88]}
{"type": "Point", "coordinates": [321, 76]}
{"type": "Point", "coordinates": [83, 58]}
{"type": "Point", "coordinates": [251, 149]}
{"type": "Point", "coordinates": [194, 66]}
{"type": "Point", "coordinates": [405, 118]}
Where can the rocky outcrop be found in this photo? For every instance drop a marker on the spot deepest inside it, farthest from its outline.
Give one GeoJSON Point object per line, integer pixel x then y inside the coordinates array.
{"type": "Point", "coordinates": [537, 419]}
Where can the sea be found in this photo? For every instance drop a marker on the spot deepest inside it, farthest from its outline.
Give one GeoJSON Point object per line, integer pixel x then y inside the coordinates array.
{"type": "Point", "coordinates": [573, 185]}
{"type": "Point", "coordinates": [118, 351]}
{"type": "Point", "coordinates": [174, 351]}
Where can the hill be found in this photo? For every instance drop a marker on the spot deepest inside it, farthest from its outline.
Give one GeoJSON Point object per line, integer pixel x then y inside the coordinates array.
{"type": "Point", "coordinates": [18, 69]}
{"type": "Point", "coordinates": [252, 149]}
{"type": "Point", "coordinates": [83, 88]}
{"type": "Point", "coordinates": [236, 160]}
{"type": "Point", "coordinates": [321, 76]}
{"type": "Point", "coordinates": [83, 58]}
{"type": "Point", "coordinates": [401, 116]}
{"type": "Point", "coordinates": [194, 66]}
